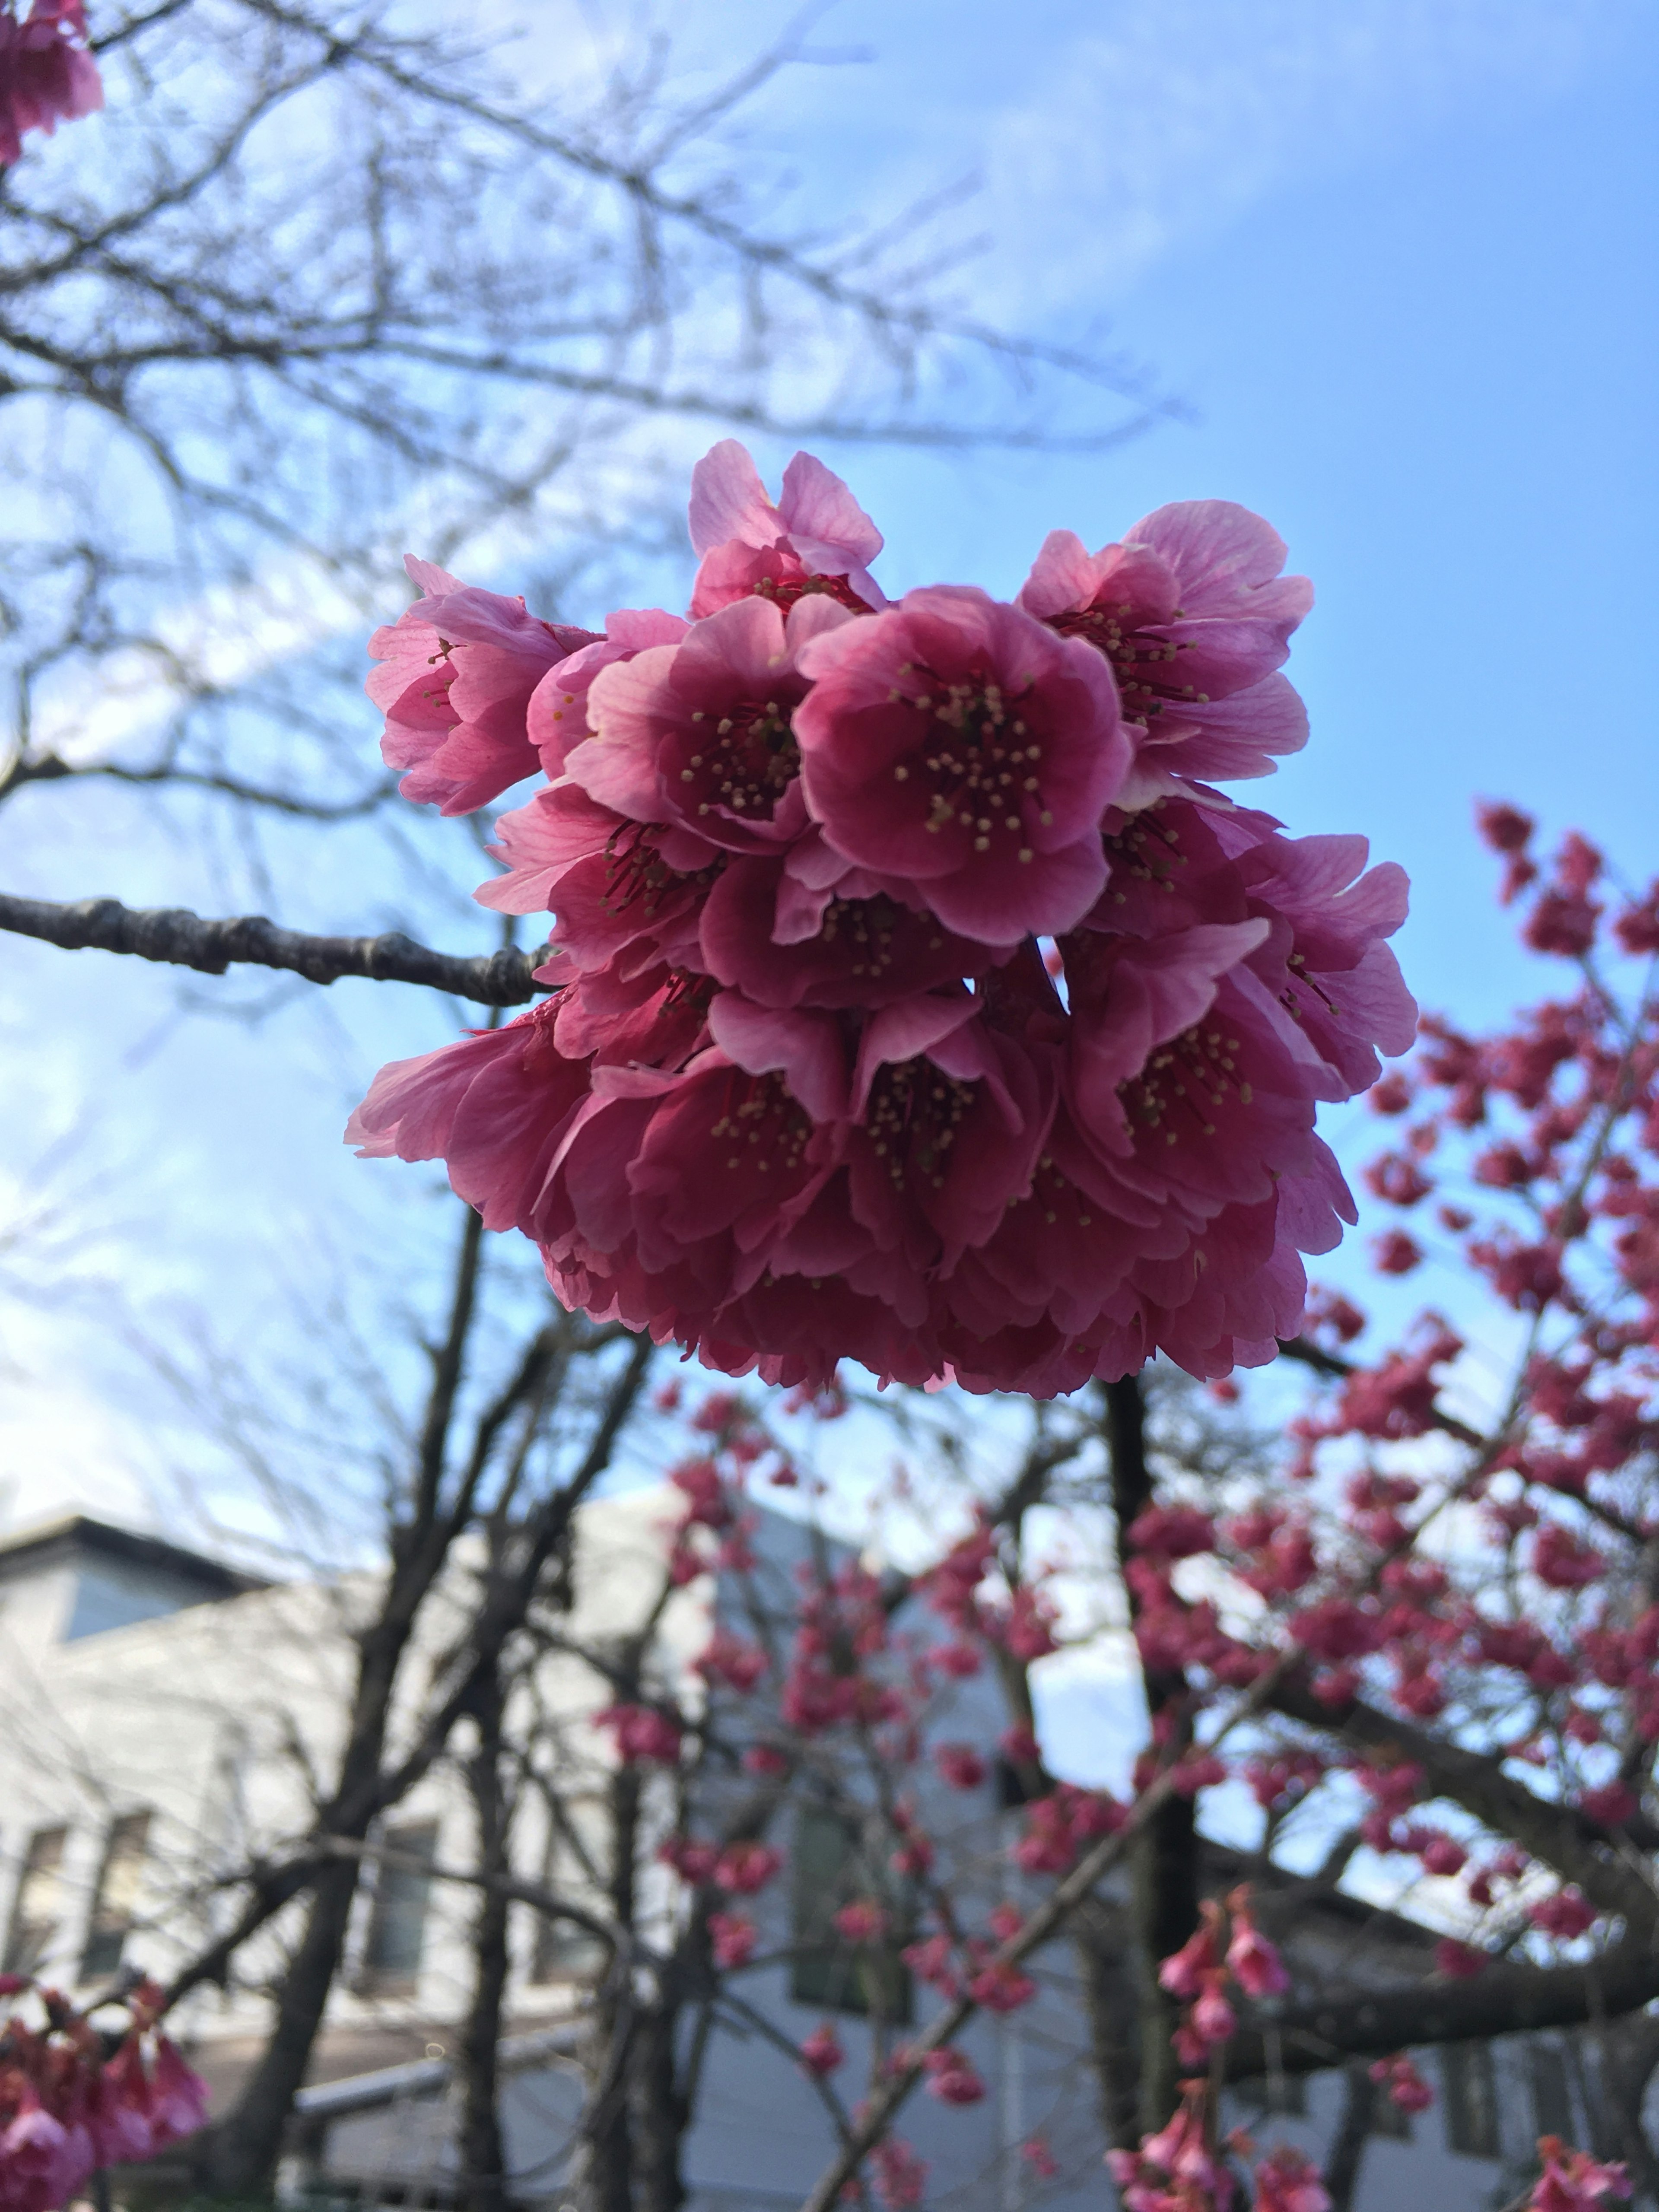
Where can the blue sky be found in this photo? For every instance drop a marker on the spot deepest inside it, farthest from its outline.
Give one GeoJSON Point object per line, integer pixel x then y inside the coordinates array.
{"type": "Point", "coordinates": [1402, 261]}
{"type": "Point", "coordinates": [1398, 255]}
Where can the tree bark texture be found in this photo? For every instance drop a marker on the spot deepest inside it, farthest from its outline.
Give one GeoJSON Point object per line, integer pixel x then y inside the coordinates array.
{"type": "Point", "coordinates": [483, 2154]}
{"type": "Point", "coordinates": [660, 2112]}
{"type": "Point", "coordinates": [1110, 1996]}
{"type": "Point", "coordinates": [1165, 1863]}
{"type": "Point", "coordinates": [238, 2155]}
{"type": "Point", "coordinates": [179, 939]}
{"type": "Point", "coordinates": [1353, 2132]}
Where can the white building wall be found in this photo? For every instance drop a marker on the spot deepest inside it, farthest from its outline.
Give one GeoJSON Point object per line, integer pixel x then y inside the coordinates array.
{"type": "Point", "coordinates": [209, 1717]}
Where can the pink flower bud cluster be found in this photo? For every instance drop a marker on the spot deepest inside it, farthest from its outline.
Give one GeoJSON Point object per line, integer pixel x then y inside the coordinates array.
{"type": "Point", "coordinates": [1405, 2086]}
{"type": "Point", "coordinates": [1177, 2169]}
{"type": "Point", "coordinates": [46, 75]}
{"type": "Point", "coordinates": [1180, 2168]}
{"type": "Point", "coordinates": [66, 2110]}
{"type": "Point", "coordinates": [1197, 1975]}
{"type": "Point", "coordinates": [1572, 2181]}
{"type": "Point", "coordinates": [917, 999]}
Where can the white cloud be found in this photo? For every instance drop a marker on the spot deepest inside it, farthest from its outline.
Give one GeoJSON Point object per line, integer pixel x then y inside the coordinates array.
{"type": "Point", "coordinates": [1167, 118]}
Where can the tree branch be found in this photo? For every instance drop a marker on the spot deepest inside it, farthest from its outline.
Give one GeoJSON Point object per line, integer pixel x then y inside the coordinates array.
{"type": "Point", "coordinates": [1503, 2000]}
{"type": "Point", "coordinates": [183, 939]}
{"type": "Point", "coordinates": [1562, 1836]}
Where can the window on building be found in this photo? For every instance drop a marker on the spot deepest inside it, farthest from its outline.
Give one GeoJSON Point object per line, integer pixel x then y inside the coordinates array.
{"type": "Point", "coordinates": [1275, 2095]}
{"type": "Point", "coordinates": [564, 1953]}
{"type": "Point", "coordinates": [1471, 2087]}
{"type": "Point", "coordinates": [397, 1924]}
{"type": "Point", "coordinates": [830, 1870]}
{"type": "Point", "coordinates": [561, 1951]}
{"type": "Point", "coordinates": [1551, 2097]}
{"type": "Point", "coordinates": [37, 1911]}
{"type": "Point", "coordinates": [115, 1904]}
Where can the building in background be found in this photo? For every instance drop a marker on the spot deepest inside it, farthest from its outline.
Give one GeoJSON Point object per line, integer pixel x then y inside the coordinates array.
{"type": "Point", "coordinates": [161, 1715]}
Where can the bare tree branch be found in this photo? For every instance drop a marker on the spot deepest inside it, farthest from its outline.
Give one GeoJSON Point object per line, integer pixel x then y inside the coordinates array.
{"type": "Point", "coordinates": [182, 939]}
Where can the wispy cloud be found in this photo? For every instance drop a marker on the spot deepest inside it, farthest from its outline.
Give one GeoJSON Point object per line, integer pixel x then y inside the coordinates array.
{"type": "Point", "coordinates": [1104, 149]}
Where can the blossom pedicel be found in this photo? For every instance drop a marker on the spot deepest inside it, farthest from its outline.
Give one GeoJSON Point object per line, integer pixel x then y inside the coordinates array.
{"type": "Point", "coordinates": [916, 999]}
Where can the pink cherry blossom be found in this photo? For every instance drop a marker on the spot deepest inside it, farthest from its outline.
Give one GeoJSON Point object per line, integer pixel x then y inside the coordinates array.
{"type": "Point", "coordinates": [42, 2162]}
{"type": "Point", "coordinates": [1174, 2169]}
{"type": "Point", "coordinates": [1288, 2182]}
{"type": "Point", "coordinates": [625, 891]}
{"type": "Point", "coordinates": [1183, 1974]}
{"type": "Point", "coordinates": [1001, 1988]}
{"type": "Point", "coordinates": [1564, 1915]}
{"type": "Point", "coordinates": [1194, 618]}
{"type": "Point", "coordinates": [698, 733]}
{"type": "Point", "coordinates": [1252, 1960]}
{"type": "Point", "coordinates": [46, 75]}
{"type": "Point", "coordinates": [456, 675]}
{"type": "Point", "coordinates": [1459, 1962]}
{"type": "Point", "coordinates": [1324, 959]}
{"type": "Point", "coordinates": [816, 539]}
{"type": "Point", "coordinates": [960, 1765]}
{"type": "Point", "coordinates": [1213, 2019]}
{"type": "Point", "coordinates": [1404, 2086]}
{"type": "Point", "coordinates": [496, 1107]}
{"type": "Point", "coordinates": [745, 1867]}
{"type": "Point", "coordinates": [1146, 1226]}
{"type": "Point", "coordinates": [861, 1922]}
{"type": "Point", "coordinates": [1572, 2181]}
{"type": "Point", "coordinates": [820, 2051]}
{"type": "Point", "coordinates": [951, 2078]}
{"type": "Point", "coordinates": [900, 2174]}
{"type": "Point", "coordinates": [733, 1940]}
{"type": "Point", "coordinates": [642, 1734]}
{"type": "Point", "coordinates": [556, 717]}
{"type": "Point", "coordinates": [733, 1660]}
{"type": "Point", "coordinates": [784, 943]}
{"type": "Point", "coordinates": [954, 744]}
{"type": "Point", "coordinates": [1038, 2156]}
{"type": "Point", "coordinates": [692, 1860]}
{"type": "Point", "coordinates": [178, 2096]}
{"type": "Point", "coordinates": [65, 2110]}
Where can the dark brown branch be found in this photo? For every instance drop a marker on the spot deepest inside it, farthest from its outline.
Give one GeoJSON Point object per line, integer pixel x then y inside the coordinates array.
{"type": "Point", "coordinates": [551, 1903]}
{"type": "Point", "coordinates": [1333, 1364]}
{"type": "Point", "coordinates": [1337, 1368]}
{"type": "Point", "coordinates": [1503, 2000]}
{"type": "Point", "coordinates": [1353, 2133]}
{"type": "Point", "coordinates": [1563, 1835]}
{"type": "Point", "coordinates": [183, 939]}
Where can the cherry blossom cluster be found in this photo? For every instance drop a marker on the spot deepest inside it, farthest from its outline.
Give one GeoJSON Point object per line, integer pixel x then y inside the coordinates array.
{"type": "Point", "coordinates": [832, 1683]}
{"type": "Point", "coordinates": [46, 75]}
{"type": "Point", "coordinates": [1401, 2083]}
{"type": "Point", "coordinates": [1197, 1975]}
{"type": "Point", "coordinates": [69, 2107]}
{"type": "Point", "coordinates": [1186, 2167]}
{"type": "Point", "coordinates": [1573, 2181]}
{"type": "Point", "coordinates": [829, 1679]}
{"type": "Point", "coordinates": [917, 998]}
{"type": "Point", "coordinates": [1183, 2168]}
{"type": "Point", "coordinates": [1478, 1587]}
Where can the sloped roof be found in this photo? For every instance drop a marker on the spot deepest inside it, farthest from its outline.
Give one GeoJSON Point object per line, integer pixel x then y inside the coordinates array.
{"type": "Point", "coordinates": [76, 1537]}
